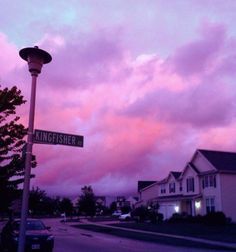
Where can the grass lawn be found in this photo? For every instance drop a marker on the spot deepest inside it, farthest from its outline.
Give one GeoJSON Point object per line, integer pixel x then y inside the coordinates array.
{"type": "Point", "coordinates": [226, 233]}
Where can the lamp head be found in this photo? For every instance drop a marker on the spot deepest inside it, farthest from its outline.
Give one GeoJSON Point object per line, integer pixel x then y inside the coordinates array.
{"type": "Point", "coordinates": [35, 57]}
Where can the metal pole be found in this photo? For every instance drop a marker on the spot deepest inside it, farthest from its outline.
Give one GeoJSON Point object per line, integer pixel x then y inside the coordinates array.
{"type": "Point", "coordinates": [25, 200]}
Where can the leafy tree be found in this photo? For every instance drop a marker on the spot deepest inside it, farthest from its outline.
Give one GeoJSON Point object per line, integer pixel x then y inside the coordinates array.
{"type": "Point", "coordinates": [41, 204]}
{"type": "Point", "coordinates": [66, 206]}
{"type": "Point", "coordinates": [37, 201]}
{"type": "Point", "coordinates": [113, 207]}
{"type": "Point", "coordinates": [11, 144]}
{"type": "Point", "coordinates": [87, 201]}
{"type": "Point", "coordinates": [140, 213]}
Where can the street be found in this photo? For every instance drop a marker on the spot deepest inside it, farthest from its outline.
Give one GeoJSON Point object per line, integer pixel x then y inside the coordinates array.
{"type": "Point", "coordinates": [70, 239]}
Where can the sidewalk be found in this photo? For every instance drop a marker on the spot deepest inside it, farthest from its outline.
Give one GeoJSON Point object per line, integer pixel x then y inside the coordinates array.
{"type": "Point", "coordinates": [108, 224]}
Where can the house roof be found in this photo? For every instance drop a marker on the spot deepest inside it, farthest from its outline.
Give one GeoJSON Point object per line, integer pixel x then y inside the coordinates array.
{"type": "Point", "coordinates": [193, 167]}
{"type": "Point", "coordinates": [221, 160]}
{"type": "Point", "coordinates": [143, 184]}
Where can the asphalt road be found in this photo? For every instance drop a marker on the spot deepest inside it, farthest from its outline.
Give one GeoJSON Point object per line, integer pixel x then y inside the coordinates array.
{"type": "Point", "coordinates": [70, 239]}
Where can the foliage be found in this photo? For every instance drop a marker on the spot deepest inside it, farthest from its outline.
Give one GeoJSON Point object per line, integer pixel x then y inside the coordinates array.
{"type": "Point", "coordinates": [140, 214]}
{"type": "Point", "coordinates": [87, 202]}
{"type": "Point", "coordinates": [212, 218]}
{"type": "Point", "coordinates": [215, 218]}
{"type": "Point", "coordinates": [113, 207]}
{"type": "Point", "coordinates": [177, 217]}
{"type": "Point", "coordinates": [11, 144]}
{"type": "Point", "coordinates": [66, 206]}
{"type": "Point", "coordinates": [40, 204]}
{"type": "Point", "coordinates": [149, 213]}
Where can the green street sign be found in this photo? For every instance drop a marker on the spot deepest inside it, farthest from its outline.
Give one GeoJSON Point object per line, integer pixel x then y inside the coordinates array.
{"type": "Point", "coordinates": [49, 137]}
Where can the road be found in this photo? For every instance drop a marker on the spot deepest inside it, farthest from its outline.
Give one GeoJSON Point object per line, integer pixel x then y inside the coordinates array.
{"type": "Point", "coordinates": [70, 239]}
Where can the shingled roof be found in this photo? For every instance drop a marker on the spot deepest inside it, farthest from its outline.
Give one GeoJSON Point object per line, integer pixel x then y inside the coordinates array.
{"type": "Point", "coordinates": [221, 160]}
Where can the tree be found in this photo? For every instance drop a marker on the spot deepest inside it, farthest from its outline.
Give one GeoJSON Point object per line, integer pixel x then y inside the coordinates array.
{"type": "Point", "coordinates": [11, 145]}
{"type": "Point", "coordinates": [41, 204]}
{"type": "Point", "coordinates": [37, 201]}
{"type": "Point", "coordinates": [66, 206]}
{"type": "Point", "coordinates": [113, 207]}
{"type": "Point", "coordinates": [87, 201]}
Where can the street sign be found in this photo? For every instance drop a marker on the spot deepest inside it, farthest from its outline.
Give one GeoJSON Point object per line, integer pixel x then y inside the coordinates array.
{"type": "Point", "coordinates": [49, 137]}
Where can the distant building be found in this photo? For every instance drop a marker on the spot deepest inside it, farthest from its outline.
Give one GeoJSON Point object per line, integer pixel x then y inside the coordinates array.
{"type": "Point", "coordinates": [206, 184]}
{"type": "Point", "coordinates": [144, 184]}
{"type": "Point", "coordinates": [131, 201]}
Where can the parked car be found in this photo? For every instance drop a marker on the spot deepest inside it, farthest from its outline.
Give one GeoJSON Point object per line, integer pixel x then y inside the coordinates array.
{"type": "Point", "coordinates": [117, 213]}
{"type": "Point", "coordinates": [38, 236]}
{"type": "Point", "coordinates": [125, 217]}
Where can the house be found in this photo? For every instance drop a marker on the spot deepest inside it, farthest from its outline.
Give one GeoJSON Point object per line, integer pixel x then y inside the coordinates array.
{"type": "Point", "coordinates": [131, 201]}
{"type": "Point", "coordinates": [147, 194]}
{"type": "Point", "coordinates": [206, 184]}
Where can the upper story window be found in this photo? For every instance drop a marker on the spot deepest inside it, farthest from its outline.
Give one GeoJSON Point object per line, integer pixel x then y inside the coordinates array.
{"type": "Point", "coordinates": [190, 184]}
{"type": "Point", "coordinates": [163, 188]}
{"type": "Point", "coordinates": [209, 181]}
{"type": "Point", "coordinates": [180, 186]}
{"type": "Point", "coordinates": [172, 187]}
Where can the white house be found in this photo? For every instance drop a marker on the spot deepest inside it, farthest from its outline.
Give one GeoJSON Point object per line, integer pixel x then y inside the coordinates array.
{"type": "Point", "coordinates": [148, 194]}
{"type": "Point", "coordinates": [207, 183]}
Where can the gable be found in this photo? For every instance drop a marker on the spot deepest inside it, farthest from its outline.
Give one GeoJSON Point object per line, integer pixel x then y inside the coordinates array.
{"type": "Point", "coordinates": [172, 177]}
{"type": "Point", "coordinates": [201, 163]}
{"type": "Point", "coordinates": [189, 170]}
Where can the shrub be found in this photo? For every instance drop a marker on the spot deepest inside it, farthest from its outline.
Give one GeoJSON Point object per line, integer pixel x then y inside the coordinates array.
{"type": "Point", "coordinates": [140, 214]}
{"type": "Point", "coordinates": [215, 218]}
{"type": "Point", "coordinates": [160, 217]}
{"type": "Point", "coordinates": [176, 217]}
{"type": "Point", "coordinates": [152, 216]}
{"type": "Point", "coordinates": [184, 218]}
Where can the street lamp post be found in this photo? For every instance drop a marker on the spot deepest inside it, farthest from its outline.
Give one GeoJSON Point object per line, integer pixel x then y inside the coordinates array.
{"type": "Point", "coordinates": [36, 58]}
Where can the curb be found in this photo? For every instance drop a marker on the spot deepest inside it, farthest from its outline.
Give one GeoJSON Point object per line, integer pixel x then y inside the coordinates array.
{"type": "Point", "coordinates": [188, 238]}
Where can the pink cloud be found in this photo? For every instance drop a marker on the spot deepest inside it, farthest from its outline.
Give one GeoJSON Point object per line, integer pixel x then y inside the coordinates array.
{"type": "Point", "coordinates": [141, 115]}
{"type": "Point", "coordinates": [85, 61]}
{"type": "Point", "coordinates": [148, 118]}
{"type": "Point", "coordinates": [196, 57]}
{"type": "Point", "coordinates": [9, 57]}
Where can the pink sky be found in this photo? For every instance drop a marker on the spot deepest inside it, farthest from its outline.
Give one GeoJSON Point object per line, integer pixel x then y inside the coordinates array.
{"type": "Point", "coordinates": [145, 82]}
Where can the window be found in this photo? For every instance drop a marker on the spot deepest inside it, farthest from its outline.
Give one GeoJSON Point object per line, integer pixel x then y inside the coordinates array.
{"type": "Point", "coordinates": [180, 186]}
{"type": "Point", "coordinates": [209, 181]}
{"type": "Point", "coordinates": [210, 205]}
{"type": "Point", "coordinates": [190, 184]}
{"type": "Point", "coordinates": [172, 187]}
{"type": "Point", "coordinates": [163, 188]}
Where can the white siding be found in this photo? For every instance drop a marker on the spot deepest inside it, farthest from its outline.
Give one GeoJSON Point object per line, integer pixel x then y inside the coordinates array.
{"type": "Point", "coordinates": [172, 180]}
{"type": "Point", "coordinates": [201, 163]}
{"type": "Point", "coordinates": [212, 192]}
{"type": "Point", "coordinates": [228, 190]}
{"type": "Point", "coordinates": [190, 173]}
{"type": "Point", "coordinates": [149, 193]}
